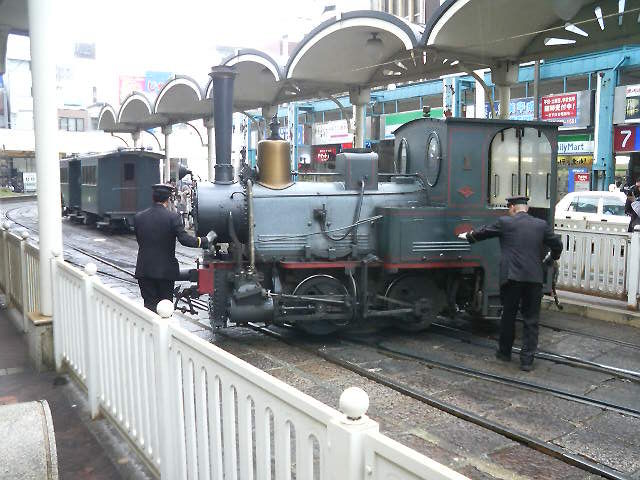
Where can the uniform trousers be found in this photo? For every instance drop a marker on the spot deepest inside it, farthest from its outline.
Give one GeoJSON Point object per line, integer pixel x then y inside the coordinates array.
{"type": "Point", "coordinates": [154, 290]}
{"type": "Point", "coordinates": [526, 296]}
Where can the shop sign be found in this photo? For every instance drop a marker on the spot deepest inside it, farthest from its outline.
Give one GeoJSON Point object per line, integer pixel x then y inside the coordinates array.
{"type": "Point", "coordinates": [575, 160]}
{"type": "Point", "coordinates": [559, 107]}
{"type": "Point", "coordinates": [581, 181]}
{"type": "Point", "coordinates": [632, 110]}
{"type": "Point", "coordinates": [336, 131]}
{"type": "Point", "coordinates": [626, 138]}
{"type": "Point", "coordinates": [324, 154]}
{"type": "Point", "coordinates": [519, 108]}
{"type": "Point", "coordinates": [574, 147]}
{"type": "Point", "coordinates": [29, 181]}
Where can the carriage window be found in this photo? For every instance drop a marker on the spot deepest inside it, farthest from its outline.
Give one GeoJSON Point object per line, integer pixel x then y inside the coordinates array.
{"type": "Point", "coordinates": [129, 171]}
{"type": "Point", "coordinates": [520, 164]}
{"type": "Point", "coordinates": [89, 175]}
{"type": "Point", "coordinates": [64, 175]}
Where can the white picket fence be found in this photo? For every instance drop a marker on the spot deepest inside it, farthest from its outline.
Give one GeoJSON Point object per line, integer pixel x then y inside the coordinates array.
{"type": "Point", "coordinates": [20, 276]}
{"type": "Point", "coordinates": [192, 410]}
{"type": "Point", "coordinates": [599, 259]}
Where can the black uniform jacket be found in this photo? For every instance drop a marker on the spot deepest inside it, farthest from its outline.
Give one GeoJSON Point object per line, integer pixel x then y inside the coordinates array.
{"type": "Point", "coordinates": [635, 220]}
{"type": "Point", "coordinates": [156, 231]}
{"type": "Point", "coordinates": [523, 239]}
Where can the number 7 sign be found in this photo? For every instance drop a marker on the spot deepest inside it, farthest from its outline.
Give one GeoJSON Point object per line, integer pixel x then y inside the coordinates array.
{"type": "Point", "coordinates": [626, 138]}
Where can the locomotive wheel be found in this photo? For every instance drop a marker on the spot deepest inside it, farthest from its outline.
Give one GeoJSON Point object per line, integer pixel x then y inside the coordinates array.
{"type": "Point", "coordinates": [327, 286]}
{"type": "Point", "coordinates": [424, 294]}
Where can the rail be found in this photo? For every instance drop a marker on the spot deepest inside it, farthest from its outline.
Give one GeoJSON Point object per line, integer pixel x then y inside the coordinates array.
{"type": "Point", "coordinates": [599, 259]}
{"type": "Point", "coordinates": [192, 410]}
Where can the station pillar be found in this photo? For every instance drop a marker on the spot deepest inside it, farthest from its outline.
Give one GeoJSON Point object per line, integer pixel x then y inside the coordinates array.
{"type": "Point", "coordinates": [166, 131]}
{"type": "Point", "coordinates": [211, 150]}
{"type": "Point", "coordinates": [504, 75]}
{"type": "Point", "coordinates": [359, 98]}
{"type": "Point", "coordinates": [45, 123]}
{"type": "Point", "coordinates": [480, 110]}
{"type": "Point", "coordinates": [604, 163]}
{"type": "Point", "coordinates": [136, 139]}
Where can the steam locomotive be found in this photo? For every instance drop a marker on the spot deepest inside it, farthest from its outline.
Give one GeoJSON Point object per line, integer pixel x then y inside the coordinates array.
{"type": "Point", "coordinates": [373, 248]}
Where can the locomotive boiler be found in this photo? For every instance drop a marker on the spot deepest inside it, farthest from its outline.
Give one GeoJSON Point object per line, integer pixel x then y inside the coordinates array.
{"type": "Point", "coordinates": [373, 248]}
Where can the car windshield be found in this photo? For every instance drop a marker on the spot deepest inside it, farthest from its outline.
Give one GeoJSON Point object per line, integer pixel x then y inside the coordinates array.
{"type": "Point", "coordinates": [585, 204]}
{"type": "Point", "coordinates": [613, 206]}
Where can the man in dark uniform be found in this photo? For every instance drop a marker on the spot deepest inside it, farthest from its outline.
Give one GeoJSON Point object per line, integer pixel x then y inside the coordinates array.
{"type": "Point", "coordinates": [523, 242]}
{"type": "Point", "coordinates": [157, 229]}
{"type": "Point", "coordinates": [633, 193]}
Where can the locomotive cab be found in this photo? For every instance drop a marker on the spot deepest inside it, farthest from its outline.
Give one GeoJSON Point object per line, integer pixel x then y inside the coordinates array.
{"type": "Point", "coordinates": [470, 168]}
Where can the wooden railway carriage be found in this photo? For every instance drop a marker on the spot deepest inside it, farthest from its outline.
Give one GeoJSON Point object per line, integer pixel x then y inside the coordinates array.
{"type": "Point", "coordinates": [114, 186]}
{"type": "Point", "coordinates": [70, 184]}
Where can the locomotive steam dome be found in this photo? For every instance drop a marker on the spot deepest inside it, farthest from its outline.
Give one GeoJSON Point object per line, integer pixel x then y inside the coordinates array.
{"type": "Point", "coordinates": [274, 167]}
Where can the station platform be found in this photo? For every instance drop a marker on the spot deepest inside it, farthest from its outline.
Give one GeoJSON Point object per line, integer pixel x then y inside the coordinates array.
{"type": "Point", "coordinates": [594, 307]}
{"type": "Point", "coordinates": [86, 449]}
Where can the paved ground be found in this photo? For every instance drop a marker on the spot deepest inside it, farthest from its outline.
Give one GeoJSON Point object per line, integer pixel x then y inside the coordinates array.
{"type": "Point", "coordinates": [86, 449]}
{"type": "Point", "coordinates": [599, 435]}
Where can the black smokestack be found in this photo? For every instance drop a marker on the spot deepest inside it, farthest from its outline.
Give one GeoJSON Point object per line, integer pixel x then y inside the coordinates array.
{"type": "Point", "coordinates": [222, 78]}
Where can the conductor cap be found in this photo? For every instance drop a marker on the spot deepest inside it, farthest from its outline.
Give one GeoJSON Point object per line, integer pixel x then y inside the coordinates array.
{"type": "Point", "coordinates": [161, 192]}
{"type": "Point", "coordinates": [517, 200]}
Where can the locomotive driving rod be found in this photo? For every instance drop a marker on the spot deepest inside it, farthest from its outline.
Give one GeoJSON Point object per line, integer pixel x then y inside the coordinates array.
{"type": "Point", "coordinates": [308, 299]}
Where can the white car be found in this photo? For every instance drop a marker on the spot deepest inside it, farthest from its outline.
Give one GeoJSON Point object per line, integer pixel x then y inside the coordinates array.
{"type": "Point", "coordinates": [593, 207]}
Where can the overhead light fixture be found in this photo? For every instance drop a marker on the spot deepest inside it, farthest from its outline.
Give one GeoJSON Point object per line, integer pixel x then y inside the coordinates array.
{"type": "Point", "coordinates": [424, 55]}
{"type": "Point", "coordinates": [598, 12]}
{"type": "Point", "coordinates": [550, 42]}
{"type": "Point", "coordinates": [445, 61]}
{"type": "Point", "coordinates": [454, 63]}
{"type": "Point", "coordinates": [401, 65]}
{"type": "Point", "coordinates": [621, 4]}
{"type": "Point", "coordinates": [570, 27]}
{"type": "Point", "coordinates": [373, 47]}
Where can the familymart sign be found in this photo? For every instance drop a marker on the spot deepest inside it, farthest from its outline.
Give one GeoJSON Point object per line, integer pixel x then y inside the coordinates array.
{"type": "Point", "coordinates": [575, 144]}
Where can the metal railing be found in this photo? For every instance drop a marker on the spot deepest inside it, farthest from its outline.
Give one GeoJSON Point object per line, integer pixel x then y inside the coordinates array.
{"type": "Point", "coordinates": [193, 410]}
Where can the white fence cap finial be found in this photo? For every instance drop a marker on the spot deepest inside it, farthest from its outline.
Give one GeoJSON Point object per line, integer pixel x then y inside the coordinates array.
{"type": "Point", "coordinates": [354, 403]}
{"type": "Point", "coordinates": [24, 234]}
{"type": "Point", "coordinates": [90, 269]}
{"type": "Point", "coordinates": [165, 308]}
{"type": "Point", "coordinates": [6, 225]}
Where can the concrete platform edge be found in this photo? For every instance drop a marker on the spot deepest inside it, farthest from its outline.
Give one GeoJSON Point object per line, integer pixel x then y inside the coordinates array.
{"type": "Point", "coordinates": [607, 314]}
{"type": "Point", "coordinates": [17, 198]}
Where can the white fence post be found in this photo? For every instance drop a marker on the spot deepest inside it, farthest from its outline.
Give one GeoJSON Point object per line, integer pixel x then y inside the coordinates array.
{"type": "Point", "coordinates": [91, 338]}
{"type": "Point", "coordinates": [56, 320]}
{"type": "Point", "coordinates": [167, 413]}
{"type": "Point", "coordinates": [633, 271]}
{"type": "Point", "coordinates": [346, 436]}
{"type": "Point", "coordinates": [5, 262]}
{"type": "Point", "coordinates": [23, 278]}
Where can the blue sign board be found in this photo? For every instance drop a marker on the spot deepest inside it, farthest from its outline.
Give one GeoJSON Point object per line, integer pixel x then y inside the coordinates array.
{"type": "Point", "coordinates": [572, 184]}
{"type": "Point", "coordinates": [519, 108]}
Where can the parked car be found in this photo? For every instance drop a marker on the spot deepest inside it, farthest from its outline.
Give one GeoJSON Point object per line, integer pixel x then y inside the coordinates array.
{"type": "Point", "coordinates": [593, 206]}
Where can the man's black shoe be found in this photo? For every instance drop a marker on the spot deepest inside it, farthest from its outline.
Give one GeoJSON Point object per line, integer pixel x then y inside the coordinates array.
{"type": "Point", "coordinates": [502, 356]}
{"type": "Point", "coordinates": [526, 367]}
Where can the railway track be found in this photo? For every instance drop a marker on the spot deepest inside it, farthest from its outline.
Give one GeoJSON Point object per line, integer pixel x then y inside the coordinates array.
{"type": "Point", "coordinates": [537, 444]}
{"type": "Point", "coordinates": [570, 360]}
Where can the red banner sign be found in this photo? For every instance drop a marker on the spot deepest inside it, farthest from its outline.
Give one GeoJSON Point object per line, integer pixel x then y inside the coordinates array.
{"type": "Point", "coordinates": [559, 107]}
{"type": "Point", "coordinates": [625, 138]}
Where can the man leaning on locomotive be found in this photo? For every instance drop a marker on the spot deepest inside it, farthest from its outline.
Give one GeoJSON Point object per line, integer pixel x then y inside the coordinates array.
{"type": "Point", "coordinates": [524, 239]}
{"type": "Point", "coordinates": [157, 229]}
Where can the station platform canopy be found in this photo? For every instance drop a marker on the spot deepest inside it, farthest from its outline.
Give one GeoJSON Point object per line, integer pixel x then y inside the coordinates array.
{"type": "Point", "coordinates": [364, 49]}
